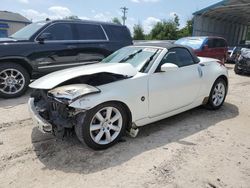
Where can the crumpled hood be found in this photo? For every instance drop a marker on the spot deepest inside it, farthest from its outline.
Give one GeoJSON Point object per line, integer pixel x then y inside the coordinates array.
{"type": "Point", "coordinates": [54, 79]}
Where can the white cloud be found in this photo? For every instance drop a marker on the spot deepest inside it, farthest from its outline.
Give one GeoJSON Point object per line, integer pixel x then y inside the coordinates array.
{"type": "Point", "coordinates": [34, 15]}
{"type": "Point", "coordinates": [149, 23]}
{"type": "Point", "coordinates": [144, 1]}
{"type": "Point", "coordinates": [55, 12]}
{"type": "Point", "coordinates": [24, 1]}
{"type": "Point", "coordinates": [106, 17]}
{"type": "Point", "coordinates": [84, 18]}
{"type": "Point", "coordinates": [60, 12]}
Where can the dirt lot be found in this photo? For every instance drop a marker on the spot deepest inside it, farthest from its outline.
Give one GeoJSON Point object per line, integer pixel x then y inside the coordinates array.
{"type": "Point", "coordinates": [198, 148]}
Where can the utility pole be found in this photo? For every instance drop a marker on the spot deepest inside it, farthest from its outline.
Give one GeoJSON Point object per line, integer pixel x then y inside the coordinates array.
{"type": "Point", "coordinates": [124, 11]}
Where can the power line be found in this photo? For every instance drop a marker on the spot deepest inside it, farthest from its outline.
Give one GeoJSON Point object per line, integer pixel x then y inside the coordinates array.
{"type": "Point", "coordinates": [124, 11]}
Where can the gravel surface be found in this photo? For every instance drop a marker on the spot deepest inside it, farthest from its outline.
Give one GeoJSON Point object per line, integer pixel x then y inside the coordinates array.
{"type": "Point", "coordinates": [198, 148]}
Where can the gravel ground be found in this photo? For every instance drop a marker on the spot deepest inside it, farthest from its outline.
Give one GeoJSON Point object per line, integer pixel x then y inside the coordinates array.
{"type": "Point", "coordinates": [198, 148]}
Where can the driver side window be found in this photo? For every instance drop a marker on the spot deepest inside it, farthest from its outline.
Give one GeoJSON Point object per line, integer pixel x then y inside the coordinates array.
{"type": "Point", "coordinates": [59, 31]}
{"type": "Point", "coordinates": [178, 56]}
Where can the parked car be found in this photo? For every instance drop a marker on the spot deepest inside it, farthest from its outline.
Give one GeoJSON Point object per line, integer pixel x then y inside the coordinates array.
{"type": "Point", "coordinates": [242, 65]}
{"type": "Point", "coordinates": [234, 52]}
{"type": "Point", "coordinates": [132, 87]}
{"type": "Point", "coordinates": [213, 47]}
{"type": "Point", "coordinates": [47, 46]}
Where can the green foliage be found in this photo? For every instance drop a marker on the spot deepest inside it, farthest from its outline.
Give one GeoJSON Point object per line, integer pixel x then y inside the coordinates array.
{"type": "Point", "coordinates": [187, 30]}
{"type": "Point", "coordinates": [169, 30]}
{"type": "Point", "coordinates": [116, 20]}
{"type": "Point", "coordinates": [164, 30]}
{"type": "Point", "coordinates": [138, 32]}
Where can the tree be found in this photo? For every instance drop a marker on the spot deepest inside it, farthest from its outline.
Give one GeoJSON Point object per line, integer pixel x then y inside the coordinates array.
{"type": "Point", "coordinates": [164, 30]}
{"type": "Point", "coordinates": [176, 20]}
{"type": "Point", "coordinates": [116, 20]}
{"type": "Point", "coordinates": [187, 30]}
{"type": "Point", "coordinates": [138, 32]}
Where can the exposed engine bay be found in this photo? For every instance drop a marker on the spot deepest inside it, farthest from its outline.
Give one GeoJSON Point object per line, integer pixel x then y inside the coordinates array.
{"type": "Point", "coordinates": [53, 105]}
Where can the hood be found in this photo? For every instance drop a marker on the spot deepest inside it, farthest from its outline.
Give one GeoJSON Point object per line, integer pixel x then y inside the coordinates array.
{"type": "Point", "coordinates": [56, 78]}
{"type": "Point", "coordinates": [11, 40]}
{"type": "Point", "coordinates": [7, 40]}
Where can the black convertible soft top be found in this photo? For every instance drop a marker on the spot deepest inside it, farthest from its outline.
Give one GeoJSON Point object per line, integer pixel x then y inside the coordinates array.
{"type": "Point", "coordinates": [169, 46]}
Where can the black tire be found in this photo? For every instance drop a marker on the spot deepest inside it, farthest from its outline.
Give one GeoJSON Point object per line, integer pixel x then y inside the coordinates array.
{"type": "Point", "coordinates": [236, 69]}
{"type": "Point", "coordinates": [19, 68]}
{"type": "Point", "coordinates": [210, 104]}
{"type": "Point", "coordinates": [82, 128]}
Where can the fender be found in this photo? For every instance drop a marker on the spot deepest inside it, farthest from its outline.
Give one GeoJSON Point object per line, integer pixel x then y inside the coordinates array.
{"type": "Point", "coordinates": [135, 101]}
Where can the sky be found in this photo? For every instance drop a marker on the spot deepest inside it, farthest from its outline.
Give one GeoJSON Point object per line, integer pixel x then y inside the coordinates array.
{"type": "Point", "coordinates": [145, 12]}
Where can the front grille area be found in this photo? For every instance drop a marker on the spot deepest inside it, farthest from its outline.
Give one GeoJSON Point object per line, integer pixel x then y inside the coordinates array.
{"type": "Point", "coordinates": [55, 112]}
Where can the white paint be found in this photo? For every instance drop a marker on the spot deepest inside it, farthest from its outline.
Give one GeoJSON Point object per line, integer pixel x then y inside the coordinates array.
{"type": "Point", "coordinates": [166, 93]}
{"type": "Point", "coordinates": [54, 79]}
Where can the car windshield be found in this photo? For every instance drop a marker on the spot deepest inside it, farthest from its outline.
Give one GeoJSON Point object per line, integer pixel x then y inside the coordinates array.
{"type": "Point", "coordinates": [28, 31]}
{"type": "Point", "coordinates": [139, 57]}
{"type": "Point", "coordinates": [194, 43]}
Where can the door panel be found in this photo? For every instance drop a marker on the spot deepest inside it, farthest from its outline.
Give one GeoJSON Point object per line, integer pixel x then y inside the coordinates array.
{"type": "Point", "coordinates": [172, 90]}
{"type": "Point", "coordinates": [53, 56]}
{"type": "Point", "coordinates": [57, 50]}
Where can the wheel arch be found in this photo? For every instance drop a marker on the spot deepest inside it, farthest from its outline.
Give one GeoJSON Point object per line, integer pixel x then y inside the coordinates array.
{"type": "Point", "coordinates": [128, 111]}
{"type": "Point", "coordinates": [20, 61]}
{"type": "Point", "coordinates": [224, 78]}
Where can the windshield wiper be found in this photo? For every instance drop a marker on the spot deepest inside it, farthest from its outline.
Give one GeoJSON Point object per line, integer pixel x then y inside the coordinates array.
{"type": "Point", "coordinates": [130, 56]}
{"type": "Point", "coordinates": [148, 61]}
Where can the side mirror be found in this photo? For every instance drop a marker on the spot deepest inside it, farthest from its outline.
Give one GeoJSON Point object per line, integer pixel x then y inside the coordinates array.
{"type": "Point", "coordinates": [44, 36]}
{"type": "Point", "coordinates": [168, 67]}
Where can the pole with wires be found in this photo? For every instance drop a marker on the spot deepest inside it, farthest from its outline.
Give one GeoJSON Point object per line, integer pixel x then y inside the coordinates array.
{"type": "Point", "coordinates": [124, 17]}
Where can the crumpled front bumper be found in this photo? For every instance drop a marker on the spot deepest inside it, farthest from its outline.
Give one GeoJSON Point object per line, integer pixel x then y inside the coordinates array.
{"type": "Point", "coordinates": [42, 124]}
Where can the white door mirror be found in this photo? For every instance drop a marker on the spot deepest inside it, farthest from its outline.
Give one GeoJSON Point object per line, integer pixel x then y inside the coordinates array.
{"type": "Point", "coordinates": [168, 67]}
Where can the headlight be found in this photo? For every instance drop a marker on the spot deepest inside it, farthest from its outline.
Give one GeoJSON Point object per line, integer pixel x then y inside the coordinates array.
{"type": "Point", "coordinates": [70, 93]}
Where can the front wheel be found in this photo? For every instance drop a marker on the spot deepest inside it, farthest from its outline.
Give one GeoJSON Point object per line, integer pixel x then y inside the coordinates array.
{"type": "Point", "coordinates": [14, 80]}
{"type": "Point", "coordinates": [102, 126]}
{"type": "Point", "coordinates": [217, 95]}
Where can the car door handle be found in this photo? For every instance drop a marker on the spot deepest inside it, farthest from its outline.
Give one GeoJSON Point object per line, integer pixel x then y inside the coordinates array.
{"type": "Point", "coordinates": [101, 45]}
{"type": "Point", "coordinates": [71, 47]}
{"type": "Point", "coordinates": [200, 72]}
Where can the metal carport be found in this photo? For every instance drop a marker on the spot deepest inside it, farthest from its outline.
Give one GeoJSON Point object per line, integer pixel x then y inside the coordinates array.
{"type": "Point", "coordinates": [229, 19]}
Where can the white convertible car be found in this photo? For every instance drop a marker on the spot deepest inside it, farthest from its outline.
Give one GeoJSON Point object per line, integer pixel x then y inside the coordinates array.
{"type": "Point", "coordinates": [132, 87]}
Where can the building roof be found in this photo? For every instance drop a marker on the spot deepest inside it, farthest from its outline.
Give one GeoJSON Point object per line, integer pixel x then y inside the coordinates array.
{"type": "Point", "coordinates": [13, 17]}
{"type": "Point", "coordinates": [228, 10]}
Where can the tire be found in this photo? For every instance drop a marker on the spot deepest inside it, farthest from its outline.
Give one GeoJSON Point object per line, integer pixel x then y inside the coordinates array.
{"type": "Point", "coordinates": [14, 80]}
{"type": "Point", "coordinates": [236, 70]}
{"type": "Point", "coordinates": [217, 94]}
{"type": "Point", "coordinates": [98, 138]}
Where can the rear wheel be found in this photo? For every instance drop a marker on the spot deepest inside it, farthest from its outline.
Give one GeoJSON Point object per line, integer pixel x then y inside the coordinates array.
{"type": "Point", "coordinates": [14, 80]}
{"type": "Point", "coordinates": [102, 126]}
{"type": "Point", "coordinates": [217, 94]}
{"type": "Point", "coordinates": [236, 69]}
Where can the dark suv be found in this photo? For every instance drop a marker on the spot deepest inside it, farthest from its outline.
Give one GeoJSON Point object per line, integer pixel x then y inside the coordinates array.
{"type": "Point", "coordinates": [47, 46]}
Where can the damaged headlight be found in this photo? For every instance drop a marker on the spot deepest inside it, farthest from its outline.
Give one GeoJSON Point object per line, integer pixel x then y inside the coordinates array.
{"type": "Point", "coordinates": [70, 93]}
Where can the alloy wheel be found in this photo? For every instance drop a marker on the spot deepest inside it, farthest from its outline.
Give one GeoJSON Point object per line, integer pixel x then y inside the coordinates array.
{"type": "Point", "coordinates": [106, 125]}
{"type": "Point", "coordinates": [12, 81]}
{"type": "Point", "coordinates": [219, 94]}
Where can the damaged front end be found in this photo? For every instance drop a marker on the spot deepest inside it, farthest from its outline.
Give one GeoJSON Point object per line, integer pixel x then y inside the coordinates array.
{"type": "Point", "coordinates": [50, 110]}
